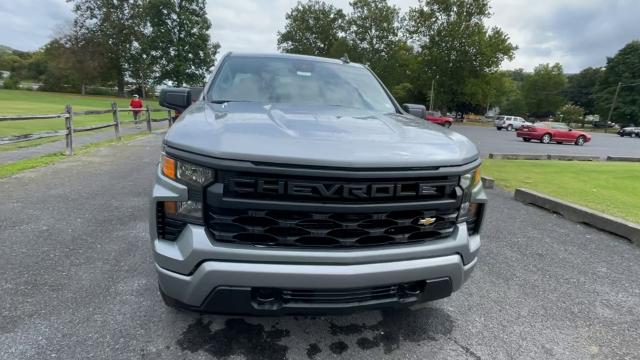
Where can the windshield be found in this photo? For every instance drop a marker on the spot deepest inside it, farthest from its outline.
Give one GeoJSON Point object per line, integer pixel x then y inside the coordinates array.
{"type": "Point", "coordinates": [298, 82]}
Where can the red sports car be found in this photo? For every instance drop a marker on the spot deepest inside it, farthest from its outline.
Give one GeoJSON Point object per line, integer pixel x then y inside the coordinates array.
{"type": "Point", "coordinates": [437, 118]}
{"type": "Point", "coordinates": [547, 132]}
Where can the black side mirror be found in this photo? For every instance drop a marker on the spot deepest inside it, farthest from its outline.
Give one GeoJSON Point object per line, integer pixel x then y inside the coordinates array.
{"type": "Point", "coordinates": [178, 99]}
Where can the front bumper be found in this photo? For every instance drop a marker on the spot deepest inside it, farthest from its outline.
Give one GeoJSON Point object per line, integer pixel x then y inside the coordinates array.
{"type": "Point", "coordinates": [198, 273]}
{"type": "Point", "coordinates": [224, 287]}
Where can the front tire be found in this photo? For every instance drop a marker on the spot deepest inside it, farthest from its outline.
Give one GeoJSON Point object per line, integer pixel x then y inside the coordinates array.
{"type": "Point", "coordinates": [499, 128]}
{"type": "Point", "coordinates": [580, 140]}
{"type": "Point", "coordinates": [510, 128]}
{"type": "Point", "coordinates": [546, 138]}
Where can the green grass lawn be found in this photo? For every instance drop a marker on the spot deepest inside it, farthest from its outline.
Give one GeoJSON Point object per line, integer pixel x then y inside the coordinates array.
{"type": "Point", "coordinates": [20, 102]}
{"type": "Point", "coordinates": [610, 187]}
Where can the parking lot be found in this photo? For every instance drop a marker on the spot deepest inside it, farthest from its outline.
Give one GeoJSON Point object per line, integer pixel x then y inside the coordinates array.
{"type": "Point", "coordinates": [489, 140]}
{"type": "Point", "coordinates": [78, 282]}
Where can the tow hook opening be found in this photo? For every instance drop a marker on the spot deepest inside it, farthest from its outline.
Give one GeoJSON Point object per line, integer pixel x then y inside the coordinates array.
{"type": "Point", "coordinates": [266, 297]}
{"type": "Point", "coordinates": [413, 288]}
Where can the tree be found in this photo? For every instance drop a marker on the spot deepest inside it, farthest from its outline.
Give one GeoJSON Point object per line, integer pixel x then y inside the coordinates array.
{"type": "Point", "coordinates": [455, 45]}
{"type": "Point", "coordinates": [490, 89]}
{"type": "Point", "coordinates": [312, 28]}
{"type": "Point", "coordinates": [372, 29]}
{"type": "Point", "coordinates": [572, 114]}
{"type": "Point", "coordinates": [115, 23]}
{"type": "Point", "coordinates": [623, 68]}
{"type": "Point", "coordinates": [542, 90]}
{"type": "Point", "coordinates": [179, 41]}
{"type": "Point", "coordinates": [581, 88]}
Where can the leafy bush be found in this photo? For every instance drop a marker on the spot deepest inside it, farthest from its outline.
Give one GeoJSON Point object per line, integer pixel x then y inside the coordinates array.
{"type": "Point", "coordinates": [572, 114]}
{"type": "Point", "coordinates": [11, 83]}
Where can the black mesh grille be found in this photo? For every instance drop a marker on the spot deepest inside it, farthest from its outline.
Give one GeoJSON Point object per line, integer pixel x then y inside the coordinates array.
{"type": "Point", "coordinates": [340, 296]}
{"type": "Point", "coordinates": [322, 229]}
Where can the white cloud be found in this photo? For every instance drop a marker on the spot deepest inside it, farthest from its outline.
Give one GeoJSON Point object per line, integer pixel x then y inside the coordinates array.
{"type": "Point", "coordinates": [576, 33]}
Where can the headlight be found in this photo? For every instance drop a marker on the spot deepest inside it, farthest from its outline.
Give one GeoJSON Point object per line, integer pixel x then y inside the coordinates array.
{"type": "Point", "coordinates": [186, 172]}
{"type": "Point", "coordinates": [195, 177]}
{"type": "Point", "coordinates": [468, 182]}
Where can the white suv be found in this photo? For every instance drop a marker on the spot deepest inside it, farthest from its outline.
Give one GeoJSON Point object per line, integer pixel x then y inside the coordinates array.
{"type": "Point", "coordinates": [510, 122]}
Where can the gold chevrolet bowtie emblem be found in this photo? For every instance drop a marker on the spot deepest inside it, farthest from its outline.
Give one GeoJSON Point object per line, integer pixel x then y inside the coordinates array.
{"type": "Point", "coordinates": [426, 221]}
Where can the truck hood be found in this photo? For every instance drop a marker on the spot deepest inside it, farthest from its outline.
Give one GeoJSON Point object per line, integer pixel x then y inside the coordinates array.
{"type": "Point", "coordinates": [317, 136]}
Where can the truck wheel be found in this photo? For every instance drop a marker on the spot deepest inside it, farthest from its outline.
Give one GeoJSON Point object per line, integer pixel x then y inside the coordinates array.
{"type": "Point", "coordinates": [580, 140]}
{"type": "Point", "coordinates": [510, 127]}
{"type": "Point", "coordinates": [546, 138]}
{"type": "Point", "coordinates": [499, 128]}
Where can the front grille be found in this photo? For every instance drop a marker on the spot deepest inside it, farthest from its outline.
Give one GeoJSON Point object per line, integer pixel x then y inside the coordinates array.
{"type": "Point", "coordinates": [339, 296]}
{"type": "Point", "coordinates": [326, 229]}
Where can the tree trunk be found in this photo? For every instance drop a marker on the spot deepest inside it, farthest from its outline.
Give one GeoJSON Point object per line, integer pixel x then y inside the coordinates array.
{"type": "Point", "coordinates": [82, 89]}
{"type": "Point", "coordinates": [121, 86]}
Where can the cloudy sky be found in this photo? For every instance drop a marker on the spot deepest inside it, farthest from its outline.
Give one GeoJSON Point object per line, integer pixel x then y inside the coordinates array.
{"type": "Point", "coordinates": [576, 33]}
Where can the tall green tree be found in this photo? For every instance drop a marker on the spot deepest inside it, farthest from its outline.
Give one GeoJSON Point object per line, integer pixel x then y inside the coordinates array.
{"type": "Point", "coordinates": [542, 90]}
{"type": "Point", "coordinates": [116, 24]}
{"type": "Point", "coordinates": [490, 89]}
{"type": "Point", "coordinates": [623, 68]}
{"type": "Point", "coordinates": [455, 45]}
{"type": "Point", "coordinates": [179, 40]}
{"type": "Point", "coordinates": [373, 29]}
{"type": "Point", "coordinates": [312, 28]}
{"type": "Point", "coordinates": [581, 88]}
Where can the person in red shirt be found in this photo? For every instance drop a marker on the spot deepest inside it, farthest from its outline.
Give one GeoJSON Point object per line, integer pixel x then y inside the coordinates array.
{"type": "Point", "coordinates": [136, 103]}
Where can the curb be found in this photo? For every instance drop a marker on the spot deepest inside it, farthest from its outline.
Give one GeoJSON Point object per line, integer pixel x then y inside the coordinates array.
{"type": "Point", "coordinates": [488, 182]}
{"type": "Point", "coordinates": [544, 157]}
{"type": "Point", "coordinates": [518, 156]}
{"type": "Point", "coordinates": [623, 158]}
{"type": "Point", "coordinates": [581, 214]}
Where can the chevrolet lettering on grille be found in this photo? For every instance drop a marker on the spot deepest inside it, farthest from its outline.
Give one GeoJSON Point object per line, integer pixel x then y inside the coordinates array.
{"type": "Point", "coordinates": [332, 190]}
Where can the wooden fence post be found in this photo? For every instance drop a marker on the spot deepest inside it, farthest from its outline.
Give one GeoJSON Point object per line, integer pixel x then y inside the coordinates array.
{"type": "Point", "coordinates": [169, 119]}
{"type": "Point", "coordinates": [116, 119]}
{"type": "Point", "coordinates": [148, 119]}
{"type": "Point", "coordinates": [68, 122]}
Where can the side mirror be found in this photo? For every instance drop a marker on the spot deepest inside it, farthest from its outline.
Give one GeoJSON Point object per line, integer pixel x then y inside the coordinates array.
{"type": "Point", "coordinates": [178, 99]}
{"type": "Point", "coordinates": [416, 110]}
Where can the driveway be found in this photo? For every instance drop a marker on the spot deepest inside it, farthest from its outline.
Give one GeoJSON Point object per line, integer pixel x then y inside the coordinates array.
{"type": "Point", "coordinates": [78, 282]}
{"type": "Point", "coordinates": [489, 140]}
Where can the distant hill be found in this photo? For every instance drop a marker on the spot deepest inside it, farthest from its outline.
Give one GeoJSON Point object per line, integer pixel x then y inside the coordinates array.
{"type": "Point", "coordinates": [5, 49]}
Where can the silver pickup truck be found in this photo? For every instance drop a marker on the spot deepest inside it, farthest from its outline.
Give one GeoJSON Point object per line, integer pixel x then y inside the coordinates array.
{"type": "Point", "coordinates": [297, 184]}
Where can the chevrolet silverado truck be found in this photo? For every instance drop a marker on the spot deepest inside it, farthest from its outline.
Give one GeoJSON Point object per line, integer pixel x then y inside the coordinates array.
{"type": "Point", "coordinates": [297, 184]}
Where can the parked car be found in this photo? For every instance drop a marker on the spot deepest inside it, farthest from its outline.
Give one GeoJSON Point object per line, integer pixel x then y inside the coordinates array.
{"type": "Point", "coordinates": [547, 132]}
{"type": "Point", "coordinates": [437, 118]}
{"type": "Point", "coordinates": [510, 122]}
{"type": "Point", "coordinates": [629, 131]}
{"type": "Point", "coordinates": [604, 124]}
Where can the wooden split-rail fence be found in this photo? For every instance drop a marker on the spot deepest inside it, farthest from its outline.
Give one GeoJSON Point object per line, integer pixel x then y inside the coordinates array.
{"type": "Point", "coordinates": [69, 114]}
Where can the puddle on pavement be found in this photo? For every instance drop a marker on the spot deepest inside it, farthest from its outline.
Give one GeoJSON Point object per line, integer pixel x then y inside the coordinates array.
{"type": "Point", "coordinates": [254, 341]}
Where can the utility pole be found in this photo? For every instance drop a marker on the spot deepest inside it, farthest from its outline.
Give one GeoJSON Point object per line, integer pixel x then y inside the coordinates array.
{"type": "Point", "coordinates": [613, 105]}
{"type": "Point", "coordinates": [433, 84]}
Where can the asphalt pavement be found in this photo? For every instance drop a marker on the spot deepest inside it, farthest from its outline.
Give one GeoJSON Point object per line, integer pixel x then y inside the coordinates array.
{"type": "Point", "coordinates": [78, 282]}
{"type": "Point", "coordinates": [489, 140]}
